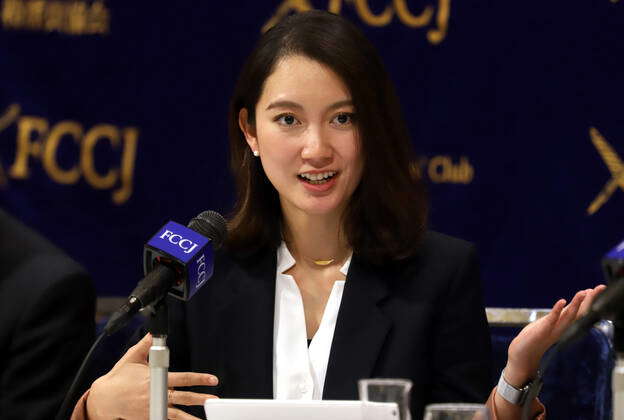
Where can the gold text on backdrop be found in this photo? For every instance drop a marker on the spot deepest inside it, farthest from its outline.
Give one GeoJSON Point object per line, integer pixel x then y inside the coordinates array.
{"type": "Point", "coordinates": [615, 165]}
{"type": "Point", "coordinates": [76, 17]}
{"type": "Point", "coordinates": [11, 114]}
{"type": "Point", "coordinates": [427, 17]}
{"type": "Point", "coordinates": [441, 169]}
{"type": "Point", "coordinates": [38, 139]}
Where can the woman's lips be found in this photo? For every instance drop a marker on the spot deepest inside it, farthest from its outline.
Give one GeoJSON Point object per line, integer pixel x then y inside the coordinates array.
{"type": "Point", "coordinates": [318, 188]}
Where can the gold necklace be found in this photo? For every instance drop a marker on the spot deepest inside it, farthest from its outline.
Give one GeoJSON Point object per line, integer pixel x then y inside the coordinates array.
{"type": "Point", "coordinates": [323, 262]}
{"type": "Point", "coordinates": [320, 263]}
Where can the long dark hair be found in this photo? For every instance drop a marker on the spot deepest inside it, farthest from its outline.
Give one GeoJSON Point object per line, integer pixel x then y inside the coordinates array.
{"type": "Point", "coordinates": [386, 216]}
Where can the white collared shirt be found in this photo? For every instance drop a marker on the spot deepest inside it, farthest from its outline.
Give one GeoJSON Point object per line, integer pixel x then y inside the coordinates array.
{"type": "Point", "coordinates": [298, 370]}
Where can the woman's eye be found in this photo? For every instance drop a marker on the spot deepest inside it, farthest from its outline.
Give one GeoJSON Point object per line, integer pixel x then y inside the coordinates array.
{"type": "Point", "coordinates": [287, 120]}
{"type": "Point", "coordinates": [342, 119]}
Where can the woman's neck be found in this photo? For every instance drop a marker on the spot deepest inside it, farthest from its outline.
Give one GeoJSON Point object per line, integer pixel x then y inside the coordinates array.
{"type": "Point", "coordinates": [315, 241]}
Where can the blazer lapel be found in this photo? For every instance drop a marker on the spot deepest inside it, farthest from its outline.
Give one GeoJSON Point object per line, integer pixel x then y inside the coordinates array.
{"type": "Point", "coordinates": [247, 330]}
{"type": "Point", "coordinates": [360, 331]}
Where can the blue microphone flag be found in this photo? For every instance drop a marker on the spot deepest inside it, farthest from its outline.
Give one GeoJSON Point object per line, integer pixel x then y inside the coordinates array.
{"type": "Point", "coordinates": [188, 252]}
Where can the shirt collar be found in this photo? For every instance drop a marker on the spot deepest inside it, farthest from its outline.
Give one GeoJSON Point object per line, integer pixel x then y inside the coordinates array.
{"type": "Point", "coordinates": [285, 260]}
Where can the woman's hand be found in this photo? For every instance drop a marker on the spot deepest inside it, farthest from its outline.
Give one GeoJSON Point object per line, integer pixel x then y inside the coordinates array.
{"type": "Point", "coordinates": [527, 349]}
{"type": "Point", "coordinates": [124, 391]}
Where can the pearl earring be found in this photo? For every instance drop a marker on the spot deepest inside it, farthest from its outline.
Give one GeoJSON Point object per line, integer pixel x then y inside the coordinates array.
{"type": "Point", "coordinates": [256, 153]}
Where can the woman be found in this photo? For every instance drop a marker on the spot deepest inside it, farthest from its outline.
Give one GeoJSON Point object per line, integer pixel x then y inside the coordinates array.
{"type": "Point", "coordinates": [327, 244]}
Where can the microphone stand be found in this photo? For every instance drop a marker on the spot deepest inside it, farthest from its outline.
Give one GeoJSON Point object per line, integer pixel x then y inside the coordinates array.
{"type": "Point", "coordinates": [159, 362]}
{"type": "Point", "coordinates": [617, 384]}
{"type": "Point", "coordinates": [617, 376]}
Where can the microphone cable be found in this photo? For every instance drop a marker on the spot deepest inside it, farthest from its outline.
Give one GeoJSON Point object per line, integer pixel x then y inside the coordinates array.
{"type": "Point", "coordinates": [70, 398]}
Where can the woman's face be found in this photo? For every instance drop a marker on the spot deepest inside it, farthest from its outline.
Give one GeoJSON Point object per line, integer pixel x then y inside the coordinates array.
{"type": "Point", "coordinates": [306, 136]}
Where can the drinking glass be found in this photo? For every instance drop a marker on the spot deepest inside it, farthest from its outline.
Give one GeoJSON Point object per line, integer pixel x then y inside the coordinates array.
{"type": "Point", "coordinates": [457, 411]}
{"type": "Point", "coordinates": [387, 390]}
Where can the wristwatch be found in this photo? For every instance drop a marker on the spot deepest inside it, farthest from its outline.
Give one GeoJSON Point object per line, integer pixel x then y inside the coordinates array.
{"type": "Point", "coordinates": [514, 395]}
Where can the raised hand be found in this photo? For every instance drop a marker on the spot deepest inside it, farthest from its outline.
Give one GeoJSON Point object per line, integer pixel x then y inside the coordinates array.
{"type": "Point", "coordinates": [527, 349]}
{"type": "Point", "coordinates": [124, 391]}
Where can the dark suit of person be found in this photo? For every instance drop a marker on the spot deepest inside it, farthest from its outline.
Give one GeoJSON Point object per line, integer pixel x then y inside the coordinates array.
{"type": "Point", "coordinates": [422, 319]}
{"type": "Point", "coordinates": [47, 305]}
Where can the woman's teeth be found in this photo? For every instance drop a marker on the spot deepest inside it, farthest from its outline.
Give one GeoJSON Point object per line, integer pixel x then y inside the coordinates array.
{"type": "Point", "coordinates": [319, 178]}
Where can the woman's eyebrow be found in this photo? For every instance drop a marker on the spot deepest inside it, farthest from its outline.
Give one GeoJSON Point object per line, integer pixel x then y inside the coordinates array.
{"type": "Point", "coordinates": [284, 104]}
{"type": "Point", "coordinates": [291, 104]}
{"type": "Point", "coordinates": [340, 104]}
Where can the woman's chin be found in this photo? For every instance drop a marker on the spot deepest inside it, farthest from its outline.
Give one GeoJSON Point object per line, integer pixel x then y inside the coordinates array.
{"type": "Point", "coordinates": [320, 206]}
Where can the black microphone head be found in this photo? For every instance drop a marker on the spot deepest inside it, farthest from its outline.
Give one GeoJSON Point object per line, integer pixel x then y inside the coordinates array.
{"type": "Point", "coordinates": [212, 225]}
{"type": "Point", "coordinates": [611, 301]}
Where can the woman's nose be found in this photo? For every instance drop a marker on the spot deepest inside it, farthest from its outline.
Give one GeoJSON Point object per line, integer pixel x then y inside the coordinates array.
{"type": "Point", "coordinates": [317, 149]}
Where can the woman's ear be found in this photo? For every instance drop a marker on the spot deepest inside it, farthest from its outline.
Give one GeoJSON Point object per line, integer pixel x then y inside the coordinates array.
{"type": "Point", "coordinates": [248, 129]}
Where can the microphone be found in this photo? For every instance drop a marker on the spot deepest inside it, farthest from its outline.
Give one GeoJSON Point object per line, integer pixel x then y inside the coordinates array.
{"type": "Point", "coordinates": [613, 264]}
{"type": "Point", "coordinates": [609, 303]}
{"type": "Point", "coordinates": [177, 260]}
{"type": "Point", "coordinates": [613, 268]}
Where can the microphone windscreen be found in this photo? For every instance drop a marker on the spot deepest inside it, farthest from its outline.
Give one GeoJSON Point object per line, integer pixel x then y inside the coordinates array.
{"type": "Point", "coordinates": [212, 225]}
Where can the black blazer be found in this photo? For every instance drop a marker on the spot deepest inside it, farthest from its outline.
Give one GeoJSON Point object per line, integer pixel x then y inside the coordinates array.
{"type": "Point", "coordinates": [422, 319]}
{"type": "Point", "coordinates": [47, 305]}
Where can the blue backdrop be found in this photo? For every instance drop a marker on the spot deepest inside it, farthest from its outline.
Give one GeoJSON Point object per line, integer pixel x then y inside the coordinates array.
{"type": "Point", "coordinates": [113, 121]}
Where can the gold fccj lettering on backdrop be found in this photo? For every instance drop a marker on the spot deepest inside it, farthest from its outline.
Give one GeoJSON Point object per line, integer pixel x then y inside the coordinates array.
{"type": "Point", "coordinates": [38, 139]}
{"type": "Point", "coordinates": [436, 18]}
{"type": "Point", "coordinates": [443, 169]}
{"type": "Point", "coordinates": [615, 166]}
{"type": "Point", "coordinates": [75, 17]}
